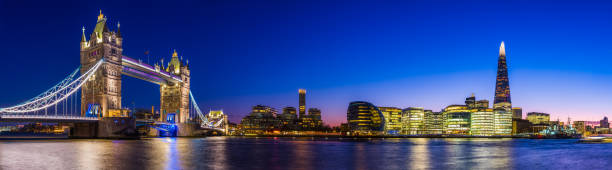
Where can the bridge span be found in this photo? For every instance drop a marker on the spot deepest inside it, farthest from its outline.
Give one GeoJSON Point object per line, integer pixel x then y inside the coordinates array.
{"type": "Point", "coordinates": [94, 95]}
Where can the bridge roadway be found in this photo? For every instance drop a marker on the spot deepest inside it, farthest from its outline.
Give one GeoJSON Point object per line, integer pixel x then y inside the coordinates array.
{"type": "Point", "coordinates": [47, 118]}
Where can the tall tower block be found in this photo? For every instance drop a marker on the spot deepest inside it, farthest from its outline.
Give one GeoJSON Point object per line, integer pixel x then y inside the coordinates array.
{"type": "Point", "coordinates": [502, 106]}
{"type": "Point", "coordinates": [104, 88]}
{"type": "Point", "coordinates": [302, 108]}
{"type": "Point", "coordinates": [502, 87]}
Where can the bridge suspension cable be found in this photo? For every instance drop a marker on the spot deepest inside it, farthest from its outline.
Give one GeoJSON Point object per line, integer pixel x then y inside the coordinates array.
{"type": "Point", "coordinates": [56, 94]}
{"type": "Point", "coordinates": [198, 111]}
{"type": "Point", "coordinates": [206, 123]}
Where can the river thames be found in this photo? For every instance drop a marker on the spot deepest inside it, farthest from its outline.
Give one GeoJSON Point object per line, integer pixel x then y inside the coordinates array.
{"type": "Point", "coordinates": [303, 153]}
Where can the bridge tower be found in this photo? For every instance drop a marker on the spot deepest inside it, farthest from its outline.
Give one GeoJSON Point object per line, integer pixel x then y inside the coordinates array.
{"type": "Point", "coordinates": [175, 96]}
{"type": "Point", "coordinates": [104, 88]}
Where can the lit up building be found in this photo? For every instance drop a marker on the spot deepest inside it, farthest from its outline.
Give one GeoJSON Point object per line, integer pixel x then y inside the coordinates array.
{"type": "Point", "coordinates": [503, 119]}
{"type": "Point", "coordinates": [538, 118]}
{"type": "Point", "coordinates": [364, 118]}
{"type": "Point", "coordinates": [482, 104]}
{"type": "Point", "coordinates": [482, 122]}
{"type": "Point", "coordinates": [502, 104]}
{"type": "Point", "coordinates": [502, 86]}
{"type": "Point", "coordinates": [580, 127]}
{"type": "Point", "coordinates": [434, 122]}
{"type": "Point", "coordinates": [517, 113]}
{"type": "Point", "coordinates": [392, 116]}
{"type": "Point", "coordinates": [302, 102]}
{"type": "Point", "coordinates": [470, 102]}
{"type": "Point", "coordinates": [413, 119]}
{"type": "Point", "coordinates": [458, 120]}
{"type": "Point", "coordinates": [311, 121]}
{"type": "Point", "coordinates": [288, 118]}
{"type": "Point", "coordinates": [262, 119]}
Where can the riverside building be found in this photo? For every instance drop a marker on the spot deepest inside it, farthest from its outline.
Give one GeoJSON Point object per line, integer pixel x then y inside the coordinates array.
{"type": "Point", "coordinates": [393, 116]}
{"type": "Point", "coordinates": [434, 122]}
{"type": "Point", "coordinates": [364, 118]}
{"type": "Point", "coordinates": [413, 119]}
{"type": "Point", "coordinates": [458, 120]}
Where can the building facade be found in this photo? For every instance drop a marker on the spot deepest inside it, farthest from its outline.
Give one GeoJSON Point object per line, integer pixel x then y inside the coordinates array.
{"type": "Point", "coordinates": [364, 118]}
{"type": "Point", "coordinates": [414, 120]}
{"type": "Point", "coordinates": [458, 120]}
{"type": "Point", "coordinates": [302, 102]}
{"type": "Point", "coordinates": [517, 113]}
{"type": "Point", "coordinates": [434, 122]}
{"type": "Point", "coordinates": [261, 120]}
{"type": "Point", "coordinates": [393, 117]}
{"type": "Point", "coordinates": [289, 118]}
{"type": "Point", "coordinates": [482, 122]}
{"type": "Point", "coordinates": [538, 118]}
{"type": "Point", "coordinates": [502, 104]}
{"type": "Point", "coordinates": [104, 89]}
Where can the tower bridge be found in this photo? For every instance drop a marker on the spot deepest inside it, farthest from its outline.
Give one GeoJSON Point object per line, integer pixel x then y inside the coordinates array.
{"type": "Point", "coordinates": [102, 64]}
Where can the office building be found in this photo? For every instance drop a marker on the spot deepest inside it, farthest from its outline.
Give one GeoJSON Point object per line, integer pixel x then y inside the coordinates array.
{"type": "Point", "coordinates": [482, 122]}
{"type": "Point", "coordinates": [482, 104]}
{"type": "Point", "coordinates": [502, 85]}
{"type": "Point", "coordinates": [413, 120]}
{"type": "Point", "coordinates": [262, 119]}
{"type": "Point", "coordinates": [392, 116]}
{"type": "Point", "coordinates": [580, 127]}
{"type": "Point", "coordinates": [289, 118]}
{"type": "Point", "coordinates": [458, 120]}
{"type": "Point", "coordinates": [302, 102]}
{"type": "Point", "coordinates": [364, 118]}
{"type": "Point", "coordinates": [434, 122]}
{"type": "Point", "coordinates": [538, 118]}
{"type": "Point", "coordinates": [517, 113]}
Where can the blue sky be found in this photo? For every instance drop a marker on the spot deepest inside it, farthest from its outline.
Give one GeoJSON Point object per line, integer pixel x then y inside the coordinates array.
{"type": "Point", "coordinates": [392, 53]}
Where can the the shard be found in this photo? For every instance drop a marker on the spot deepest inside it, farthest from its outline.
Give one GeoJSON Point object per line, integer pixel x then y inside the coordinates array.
{"type": "Point", "coordinates": [502, 87]}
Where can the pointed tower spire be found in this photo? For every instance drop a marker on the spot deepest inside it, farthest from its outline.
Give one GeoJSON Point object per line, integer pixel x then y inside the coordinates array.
{"type": "Point", "coordinates": [101, 16]}
{"type": "Point", "coordinates": [502, 85]}
{"type": "Point", "coordinates": [118, 29]}
{"type": "Point", "coordinates": [502, 49]}
{"type": "Point", "coordinates": [83, 38]}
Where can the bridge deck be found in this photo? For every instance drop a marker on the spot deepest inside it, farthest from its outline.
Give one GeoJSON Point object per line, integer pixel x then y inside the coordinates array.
{"type": "Point", "coordinates": [43, 118]}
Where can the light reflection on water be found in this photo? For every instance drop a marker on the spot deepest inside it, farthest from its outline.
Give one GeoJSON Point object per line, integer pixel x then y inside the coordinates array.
{"type": "Point", "coordinates": [302, 153]}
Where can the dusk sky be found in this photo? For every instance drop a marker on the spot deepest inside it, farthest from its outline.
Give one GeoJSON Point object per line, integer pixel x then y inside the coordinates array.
{"type": "Point", "coordinates": [391, 53]}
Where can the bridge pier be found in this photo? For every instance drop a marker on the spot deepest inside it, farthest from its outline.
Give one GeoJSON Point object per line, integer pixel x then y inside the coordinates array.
{"type": "Point", "coordinates": [84, 130]}
{"type": "Point", "coordinates": [186, 129]}
{"type": "Point", "coordinates": [117, 128]}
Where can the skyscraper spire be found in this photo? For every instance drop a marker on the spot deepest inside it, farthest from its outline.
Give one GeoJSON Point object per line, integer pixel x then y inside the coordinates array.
{"type": "Point", "coordinates": [502, 49]}
{"type": "Point", "coordinates": [502, 87]}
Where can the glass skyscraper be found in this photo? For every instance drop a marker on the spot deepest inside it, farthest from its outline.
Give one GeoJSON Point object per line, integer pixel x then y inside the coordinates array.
{"type": "Point", "coordinates": [502, 87]}
{"type": "Point", "coordinates": [502, 104]}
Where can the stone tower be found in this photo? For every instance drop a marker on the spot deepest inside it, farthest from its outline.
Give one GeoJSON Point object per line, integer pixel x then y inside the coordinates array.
{"type": "Point", "coordinates": [104, 88]}
{"type": "Point", "coordinates": [175, 96]}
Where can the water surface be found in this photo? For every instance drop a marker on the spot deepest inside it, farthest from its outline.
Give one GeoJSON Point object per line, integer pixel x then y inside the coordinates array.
{"type": "Point", "coordinates": [303, 153]}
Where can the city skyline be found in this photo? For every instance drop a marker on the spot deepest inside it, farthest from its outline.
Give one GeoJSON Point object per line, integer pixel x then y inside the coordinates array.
{"type": "Point", "coordinates": [555, 68]}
